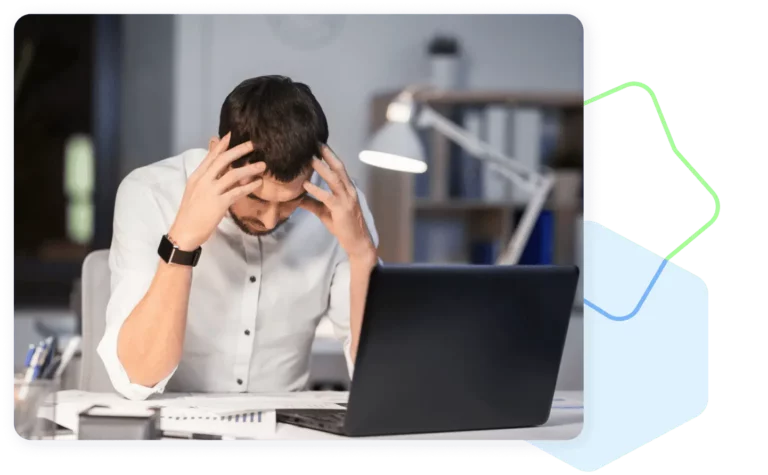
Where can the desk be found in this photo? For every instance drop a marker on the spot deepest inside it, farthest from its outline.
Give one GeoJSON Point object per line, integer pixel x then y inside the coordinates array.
{"type": "Point", "coordinates": [563, 424]}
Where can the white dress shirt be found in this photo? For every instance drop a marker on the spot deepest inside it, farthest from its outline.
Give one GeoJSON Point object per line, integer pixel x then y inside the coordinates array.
{"type": "Point", "coordinates": [255, 302]}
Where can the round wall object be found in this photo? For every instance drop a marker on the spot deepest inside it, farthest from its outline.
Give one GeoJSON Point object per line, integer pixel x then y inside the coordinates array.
{"type": "Point", "coordinates": [306, 32]}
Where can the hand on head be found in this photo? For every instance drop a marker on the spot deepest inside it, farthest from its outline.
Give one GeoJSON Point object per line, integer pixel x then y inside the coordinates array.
{"type": "Point", "coordinates": [339, 208]}
{"type": "Point", "coordinates": [215, 186]}
{"type": "Point", "coordinates": [211, 190]}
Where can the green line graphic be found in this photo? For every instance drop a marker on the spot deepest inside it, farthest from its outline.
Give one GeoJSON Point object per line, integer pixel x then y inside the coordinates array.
{"type": "Point", "coordinates": [679, 155]}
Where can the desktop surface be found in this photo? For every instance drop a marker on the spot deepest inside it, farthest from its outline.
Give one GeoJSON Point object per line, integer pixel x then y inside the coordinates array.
{"type": "Point", "coordinates": [565, 423]}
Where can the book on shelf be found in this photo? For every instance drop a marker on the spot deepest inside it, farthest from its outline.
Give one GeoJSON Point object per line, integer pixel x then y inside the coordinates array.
{"type": "Point", "coordinates": [540, 248]}
{"type": "Point", "coordinates": [528, 135]}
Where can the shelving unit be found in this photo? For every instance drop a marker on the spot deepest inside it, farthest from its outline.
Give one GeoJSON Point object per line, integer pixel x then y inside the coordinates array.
{"type": "Point", "coordinates": [395, 207]}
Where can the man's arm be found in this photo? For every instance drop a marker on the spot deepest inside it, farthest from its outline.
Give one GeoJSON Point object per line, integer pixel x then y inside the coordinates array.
{"type": "Point", "coordinates": [146, 313]}
{"type": "Point", "coordinates": [146, 321]}
{"type": "Point", "coordinates": [151, 339]}
{"type": "Point", "coordinates": [343, 210]}
{"type": "Point", "coordinates": [359, 277]}
{"type": "Point", "coordinates": [349, 289]}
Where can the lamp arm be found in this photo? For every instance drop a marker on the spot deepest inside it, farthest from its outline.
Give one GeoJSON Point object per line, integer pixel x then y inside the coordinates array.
{"type": "Point", "coordinates": [539, 184]}
{"type": "Point", "coordinates": [510, 167]}
{"type": "Point", "coordinates": [514, 249]}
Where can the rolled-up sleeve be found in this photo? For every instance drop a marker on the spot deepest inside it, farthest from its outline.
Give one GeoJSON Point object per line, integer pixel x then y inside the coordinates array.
{"type": "Point", "coordinates": [133, 261]}
{"type": "Point", "coordinates": [338, 309]}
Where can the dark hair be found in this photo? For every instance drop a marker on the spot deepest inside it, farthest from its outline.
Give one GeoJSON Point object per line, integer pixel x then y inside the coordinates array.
{"type": "Point", "coordinates": [283, 120]}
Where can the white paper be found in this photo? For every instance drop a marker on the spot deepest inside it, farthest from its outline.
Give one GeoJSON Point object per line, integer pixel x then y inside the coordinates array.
{"type": "Point", "coordinates": [232, 403]}
{"type": "Point", "coordinates": [252, 425]}
{"type": "Point", "coordinates": [331, 396]}
{"type": "Point", "coordinates": [267, 400]}
{"type": "Point", "coordinates": [232, 406]}
{"type": "Point", "coordinates": [217, 414]}
{"type": "Point", "coordinates": [179, 413]}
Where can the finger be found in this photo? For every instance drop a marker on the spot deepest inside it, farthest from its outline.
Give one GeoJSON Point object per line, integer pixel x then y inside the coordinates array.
{"type": "Point", "coordinates": [239, 191]}
{"type": "Point", "coordinates": [323, 195]}
{"type": "Point", "coordinates": [317, 208]}
{"type": "Point", "coordinates": [330, 177]}
{"type": "Point", "coordinates": [215, 148]}
{"type": "Point", "coordinates": [221, 162]}
{"type": "Point", "coordinates": [314, 206]}
{"type": "Point", "coordinates": [240, 176]}
{"type": "Point", "coordinates": [335, 164]}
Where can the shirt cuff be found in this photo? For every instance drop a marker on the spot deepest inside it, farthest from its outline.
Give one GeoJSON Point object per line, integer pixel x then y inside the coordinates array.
{"type": "Point", "coordinates": [108, 351]}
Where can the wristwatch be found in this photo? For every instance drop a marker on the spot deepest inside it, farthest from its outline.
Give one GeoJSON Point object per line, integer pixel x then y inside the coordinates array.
{"type": "Point", "coordinates": [170, 253]}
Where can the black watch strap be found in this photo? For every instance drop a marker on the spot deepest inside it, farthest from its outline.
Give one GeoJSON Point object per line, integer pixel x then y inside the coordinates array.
{"type": "Point", "coordinates": [171, 253]}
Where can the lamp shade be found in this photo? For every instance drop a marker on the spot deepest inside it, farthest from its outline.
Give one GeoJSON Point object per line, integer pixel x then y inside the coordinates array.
{"type": "Point", "coordinates": [396, 147]}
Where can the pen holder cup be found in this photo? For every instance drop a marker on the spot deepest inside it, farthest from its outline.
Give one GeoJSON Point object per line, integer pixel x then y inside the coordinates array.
{"type": "Point", "coordinates": [34, 406]}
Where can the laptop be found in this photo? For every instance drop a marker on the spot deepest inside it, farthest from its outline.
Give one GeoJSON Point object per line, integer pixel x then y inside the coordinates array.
{"type": "Point", "coordinates": [454, 348]}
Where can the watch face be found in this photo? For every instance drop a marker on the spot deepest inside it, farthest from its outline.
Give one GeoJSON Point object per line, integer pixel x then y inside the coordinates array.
{"type": "Point", "coordinates": [165, 249]}
{"type": "Point", "coordinates": [306, 32]}
{"type": "Point", "coordinates": [171, 254]}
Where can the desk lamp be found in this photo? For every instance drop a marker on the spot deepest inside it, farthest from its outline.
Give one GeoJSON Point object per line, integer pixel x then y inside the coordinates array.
{"type": "Point", "coordinates": [396, 146]}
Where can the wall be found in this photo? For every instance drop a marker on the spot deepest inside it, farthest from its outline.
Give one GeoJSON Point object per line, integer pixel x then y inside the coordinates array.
{"type": "Point", "coordinates": [356, 57]}
{"type": "Point", "coordinates": [146, 102]}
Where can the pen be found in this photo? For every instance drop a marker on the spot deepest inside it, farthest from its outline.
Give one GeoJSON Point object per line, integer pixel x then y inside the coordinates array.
{"type": "Point", "coordinates": [66, 356]}
{"type": "Point", "coordinates": [51, 344]}
{"type": "Point", "coordinates": [30, 352]}
{"type": "Point", "coordinates": [30, 374]}
{"type": "Point", "coordinates": [40, 363]}
{"type": "Point", "coordinates": [51, 368]}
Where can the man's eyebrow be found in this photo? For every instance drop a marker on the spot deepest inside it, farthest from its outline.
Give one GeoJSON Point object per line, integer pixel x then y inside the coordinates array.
{"type": "Point", "coordinates": [297, 198]}
{"type": "Point", "coordinates": [254, 197]}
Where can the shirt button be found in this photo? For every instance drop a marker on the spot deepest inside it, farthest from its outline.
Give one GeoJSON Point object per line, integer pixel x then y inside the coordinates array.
{"type": "Point", "coordinates": [240, 382]}
{"type": "Point", "coordinates": [247, 332]}
{"type": "Point", "coordinates": [253, 278]}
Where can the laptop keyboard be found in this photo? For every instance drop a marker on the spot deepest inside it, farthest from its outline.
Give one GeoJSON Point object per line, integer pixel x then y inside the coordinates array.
{"type": "Point", "coordinates": [322, 419]}
{"type": "Point", "coordinates": [321, 415]}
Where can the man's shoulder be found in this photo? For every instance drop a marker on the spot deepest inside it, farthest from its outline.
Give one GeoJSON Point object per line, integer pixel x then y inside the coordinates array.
{"type": "Point", "coordinates": [158, 186]}
{"type": "Point", "coordinates": [169, 172]}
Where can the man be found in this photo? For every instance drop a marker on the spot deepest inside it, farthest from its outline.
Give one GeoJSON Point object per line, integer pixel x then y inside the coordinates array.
{"type": "Point", "coordinates": [224, 261]}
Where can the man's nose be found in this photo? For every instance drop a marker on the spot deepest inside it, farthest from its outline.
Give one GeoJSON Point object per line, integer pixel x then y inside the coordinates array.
{"type": "Point", "coordinates": [269, 218]}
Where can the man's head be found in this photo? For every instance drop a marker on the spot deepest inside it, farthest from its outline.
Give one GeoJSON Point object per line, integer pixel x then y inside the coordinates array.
{"type": "Point", "coordinates": [287, 127]}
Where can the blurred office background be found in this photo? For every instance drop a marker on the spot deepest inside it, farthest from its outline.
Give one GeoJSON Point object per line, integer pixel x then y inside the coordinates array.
{"type": "Point", "coordinates": [97, 96]}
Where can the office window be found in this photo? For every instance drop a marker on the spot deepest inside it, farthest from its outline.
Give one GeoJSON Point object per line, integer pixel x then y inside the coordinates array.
{"type": "Point", "coordinates": [78, 188]}
{"type": "Point", "coordinates": [58, 166]}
